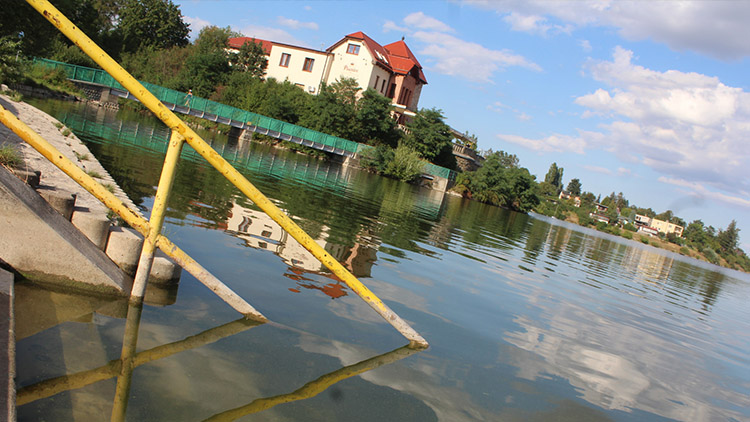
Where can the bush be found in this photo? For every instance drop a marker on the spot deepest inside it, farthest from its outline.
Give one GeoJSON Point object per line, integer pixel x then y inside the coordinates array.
{"type": "Point", "coordinates": [630, 227]}
{"type": "Point", "coordinates": [684, 251]}
{"type": "Point", "coordinates": [406, 165]}
{"type": "Point", "coordinates": [627, 234]}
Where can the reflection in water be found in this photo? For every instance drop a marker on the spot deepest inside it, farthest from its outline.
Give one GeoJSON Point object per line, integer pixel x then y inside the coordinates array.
{"type": "Point", "coordinates": [529, 318]}
{"type": "Point", "coordinates": [123, 369]}
{"type": "Point", "coordinates": [315, 387]}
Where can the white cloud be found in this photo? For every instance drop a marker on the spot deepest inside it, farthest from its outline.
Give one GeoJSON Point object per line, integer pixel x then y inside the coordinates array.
{"type": "Point", "coordinates": [702, 193]}
{"type": "Point", "coordinates": [715, 28]}
{"type": "Point", "coordinates": [597, 169]}
{"type": "Point", "coordinates": [553, 143]}
{"type": "Point", "coordinates": [523, 117]}
{"type": "Point", "coordinates": [497, 107]}
{"type": "Point", "coordinates": [295, 24]}
{"type": "Point", "coordinates": [456, 57]}
{"type": "Point", "coordinates": [534, 24]}
{"type": "Point", "coordinates": [389, 26]}
{"type": "Point", "coordinates": [447, 54]}
{"type": "Point", "coordinates": [271, 33]}
{"type": "Point", "coordinates": [685, 125]}
{"type": "Point", "coordinates": [421, 21]}
{"type": "Point", "coordinates": [585, 45]}
{"type": "Point", "coordinates": [196, 24]}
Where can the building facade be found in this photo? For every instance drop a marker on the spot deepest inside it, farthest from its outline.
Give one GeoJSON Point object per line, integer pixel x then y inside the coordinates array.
{"type": "Point", "coordinates": [391, 70]}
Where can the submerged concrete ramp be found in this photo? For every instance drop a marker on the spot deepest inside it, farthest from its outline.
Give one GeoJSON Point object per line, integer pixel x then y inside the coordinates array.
{"type": "Point", "coordinates": [41, 244]}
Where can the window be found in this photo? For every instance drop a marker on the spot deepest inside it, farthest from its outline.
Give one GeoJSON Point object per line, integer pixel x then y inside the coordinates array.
{"type": "Point", "coordinates": [308, 64]}
{"type": "Point", "coordinates": [285, 60]}
{"type": "Point", "coordinates": [382, 87]}
{"type": "Point", "coordinates": [352, 49]}
{"type": "Point", "coordinates": [377, 79]}
{"type": "Point", "coordinates": [392, 91]}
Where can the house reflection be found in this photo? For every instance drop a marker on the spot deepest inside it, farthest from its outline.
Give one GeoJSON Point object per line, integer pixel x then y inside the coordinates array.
{"type": "Point", "coordinates": [259, 231]}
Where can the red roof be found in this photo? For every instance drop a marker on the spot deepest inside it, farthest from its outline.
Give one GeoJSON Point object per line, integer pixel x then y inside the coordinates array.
{"type": "Point", "coordinates": [403, 60]}
{"type": "Point", "coordinates": [395, 57]}
{"type": "Point", "coordinates": [239, 41]}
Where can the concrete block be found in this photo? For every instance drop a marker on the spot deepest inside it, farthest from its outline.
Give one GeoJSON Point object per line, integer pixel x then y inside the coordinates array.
{"type": "Point", "coordinates": [41, 245]}
{"type": "Point", "coordinates": [124, 248]}
{"type": "Point", "coordinates": [7, 348]}
{"type": "Point", "coordinates": [164, 271]}
{"type": "Point", "coordinates": [94, 225]}
{"type": "Point", "coordinates": [60, 200]}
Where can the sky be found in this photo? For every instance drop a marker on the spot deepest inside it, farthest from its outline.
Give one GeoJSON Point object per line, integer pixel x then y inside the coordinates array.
{"type": "Point", "coordinates": [647, 98]}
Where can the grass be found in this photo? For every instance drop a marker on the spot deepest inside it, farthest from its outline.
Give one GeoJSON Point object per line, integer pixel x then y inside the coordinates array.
{"type": "Point", "coordinates": [109, 187]}
{"type": "Point", "coordinates": [66, 132]}
{"type": "Point", "coordinates": [81, 157]}
{"type": "Point", "coordinates": [10, 157]}
{"type": "Point", "coordinates": [58, 125]}
{"type": "Point", "coordinates": [16, 96]}
{"type": "Point", "coordinates": [95, 174]}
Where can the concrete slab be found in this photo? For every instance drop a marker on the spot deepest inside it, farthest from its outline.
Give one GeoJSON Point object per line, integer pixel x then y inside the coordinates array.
{"type": "Point", "coordinates": [42, 245]}
{"type": "Point", "coordinates": [7, 349]}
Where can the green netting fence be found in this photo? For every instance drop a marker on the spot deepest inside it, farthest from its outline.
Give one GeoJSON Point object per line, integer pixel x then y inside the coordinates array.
{"type": "Point", "coordinates": [231, 114]}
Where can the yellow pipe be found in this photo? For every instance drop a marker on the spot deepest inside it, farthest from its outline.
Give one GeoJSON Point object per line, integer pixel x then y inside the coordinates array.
{"type": "Point", "coordinates": [134, 220]}
{"type": "Point", "coordinates": [156, 221]}
{"type": "Point", "coordinates": [173, 122]}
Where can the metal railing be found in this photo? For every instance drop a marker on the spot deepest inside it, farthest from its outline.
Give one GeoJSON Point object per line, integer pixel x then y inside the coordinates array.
{"type": "Point", "coordinates": [184, 103]}
{"type": "Point", "coordinates": [151, 229]}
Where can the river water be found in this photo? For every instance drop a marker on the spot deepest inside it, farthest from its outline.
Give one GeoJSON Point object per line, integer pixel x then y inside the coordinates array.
{"type": "Point", "coordinates": [527, 318]}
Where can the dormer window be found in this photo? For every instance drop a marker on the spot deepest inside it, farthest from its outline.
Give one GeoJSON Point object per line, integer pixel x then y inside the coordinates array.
{"type": "Point", "coordinates": [352, 49]}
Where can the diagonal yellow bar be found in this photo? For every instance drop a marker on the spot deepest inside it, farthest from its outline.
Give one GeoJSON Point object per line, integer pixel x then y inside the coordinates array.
{"type": "Point", "coordinates": [137, 222]}
{"type": "Point", "coordinates": [176, 124]}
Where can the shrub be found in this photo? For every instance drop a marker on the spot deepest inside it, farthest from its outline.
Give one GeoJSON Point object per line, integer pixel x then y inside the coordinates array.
{"type": "Point", "coordinates": [627, 234]}
{"type": "Point", "coordinates": [406, 165]}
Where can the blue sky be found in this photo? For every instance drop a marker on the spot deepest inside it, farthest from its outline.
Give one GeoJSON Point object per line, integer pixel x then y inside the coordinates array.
{"type": "Point", "coordinates": [648, 98]}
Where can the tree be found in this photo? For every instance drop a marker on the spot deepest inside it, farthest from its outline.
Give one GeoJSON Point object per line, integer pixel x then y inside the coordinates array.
{"type": "Point", "coordinates": [9, 66]}
{"type": "Point", "coordinates": [431, 137]}
{"type": "Point", "coordinates": [151, 23]}
{"type": "Point", "coordinates": [252, 59]}
{"type": "Point", "coordinates": [332, 111]}
{"type": "Point", "coordinates": [207, 64]}
{"type": "Point", "coordinates": [574, 187]}
{"type": "Point", "coordinates": [495, 184]}
{"type": "Point", "coordinates": [729, 239]}
{"type": "Point", "coordinates": [375, 125]}
{"type": "Point", "coordinates": [554, 177]}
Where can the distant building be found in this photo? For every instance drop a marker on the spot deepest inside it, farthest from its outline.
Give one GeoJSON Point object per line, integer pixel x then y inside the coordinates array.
{"type": "Point", "coordinates": [391, 70]}
{"type": "Point", "coordinates": [567, 195]}
{"type": "Point", "coordinates": [659, 226]}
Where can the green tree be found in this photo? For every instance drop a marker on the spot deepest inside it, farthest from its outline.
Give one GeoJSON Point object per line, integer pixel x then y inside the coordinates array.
{"type": "Point", "coordinates": [495, 184]}
{"type": "Point", "coordinates": [729, 239]}
{"type": "Point", "coordinates": [252, 59]}
{"type": "Point", "coordinates": [431, 137]}
{"type": "Point", "coordinates": [207, 64]}
{"type": "Point", "coordinates": [574, 187]}
{"type": "Point", "coordinates": [9, 65]}
{"type": "Point", "coordinates": [151, 23]}
{"type": "Point", "coordinates": [554, 177]}
{"type": "Point", "coordinates": [375, 125]}
{"type": "Point", "coordinates": [333, 111]}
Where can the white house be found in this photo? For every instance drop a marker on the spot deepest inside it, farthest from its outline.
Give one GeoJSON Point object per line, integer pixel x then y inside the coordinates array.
{"type": "Point", "coordinates": [391, 70]}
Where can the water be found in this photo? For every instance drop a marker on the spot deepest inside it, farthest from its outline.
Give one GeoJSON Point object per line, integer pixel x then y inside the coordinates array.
{"type": "Point", "coordinates": [527, 318]}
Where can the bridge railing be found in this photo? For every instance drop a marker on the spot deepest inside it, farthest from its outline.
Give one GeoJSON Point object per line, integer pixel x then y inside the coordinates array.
{"type": "Point", "coordinates": [297, 134]}
{"type": "Point", "coordinates": [181, 133]}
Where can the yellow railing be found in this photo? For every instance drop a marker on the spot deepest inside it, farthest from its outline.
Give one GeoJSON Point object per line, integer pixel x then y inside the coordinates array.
{"type": "Point", "coordinates": [182, 133]}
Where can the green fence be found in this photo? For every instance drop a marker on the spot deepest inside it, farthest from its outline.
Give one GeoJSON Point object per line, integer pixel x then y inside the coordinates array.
{"type": "Point", "coordinates": [306, 136]}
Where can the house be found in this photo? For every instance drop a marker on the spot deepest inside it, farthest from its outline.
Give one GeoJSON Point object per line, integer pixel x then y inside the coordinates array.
{"type": "Point", "coordinates": [601, 208]}
{"type": "Point", "coordinates": [391, 70]}
{"type": "Point", "coordinates": [567, 195]}
{"type": "Point", "coordinates": [648, 230]}
{"type": "Point", "coordinates": [658, 225]}
{"type": "Point", "coordinates": [599, 217]}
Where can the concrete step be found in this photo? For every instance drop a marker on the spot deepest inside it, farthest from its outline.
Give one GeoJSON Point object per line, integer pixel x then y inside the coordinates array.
{"type": "Point", "coordinates": [122, 245]}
